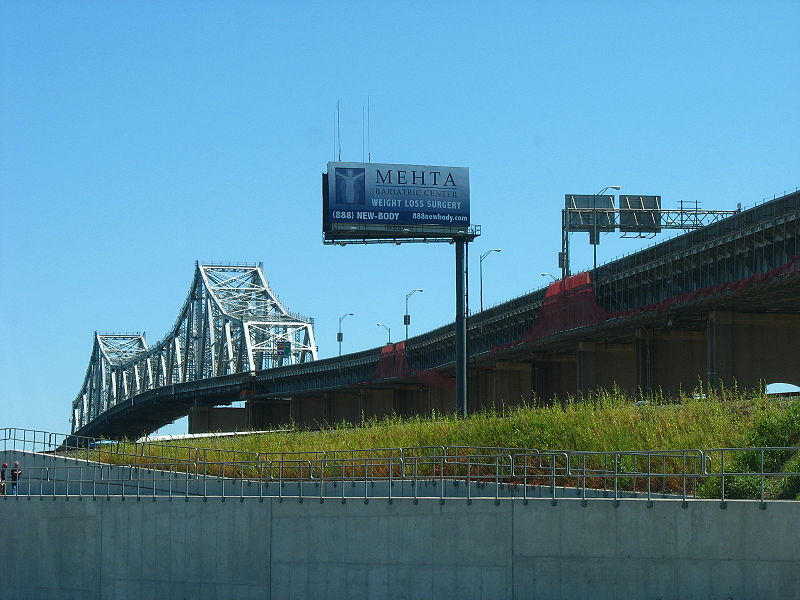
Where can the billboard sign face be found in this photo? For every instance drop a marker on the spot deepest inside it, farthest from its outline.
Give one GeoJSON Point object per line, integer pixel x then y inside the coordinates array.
{"type": "Point", "coordinates": [376, 200]}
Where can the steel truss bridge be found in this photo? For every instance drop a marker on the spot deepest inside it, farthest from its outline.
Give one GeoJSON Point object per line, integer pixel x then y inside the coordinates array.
{"type": "Point", "coordinates": [718, 305]}
{"type": "Point", "coordinates": [231, 323]}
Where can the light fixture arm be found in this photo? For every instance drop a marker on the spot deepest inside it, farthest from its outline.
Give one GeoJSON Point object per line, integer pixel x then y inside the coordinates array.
{"type": "Point", "coordinates": [595, 240]}
{"type": "Point", "coordinates": [480, 270]}
{"type": "Point", "coordinates": [339, 336]}
{"type": "Point", "coordinates": [407, 317]}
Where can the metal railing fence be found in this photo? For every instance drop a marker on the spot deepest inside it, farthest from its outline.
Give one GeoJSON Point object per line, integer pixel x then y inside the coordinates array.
{"type": "Point", "coordinates": [96, 468]}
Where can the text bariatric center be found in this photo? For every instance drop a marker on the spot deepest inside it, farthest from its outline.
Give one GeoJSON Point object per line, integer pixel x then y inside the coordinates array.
{"type": "Point", "coordinates": [390, 191]}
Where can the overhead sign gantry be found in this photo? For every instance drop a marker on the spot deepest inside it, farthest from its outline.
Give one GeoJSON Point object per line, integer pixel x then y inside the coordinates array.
{"type": "Point", "coordinates": [637, 216]}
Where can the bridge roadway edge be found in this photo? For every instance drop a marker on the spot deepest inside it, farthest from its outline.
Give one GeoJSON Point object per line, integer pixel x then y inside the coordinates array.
{"type": "Point", "coordinates": [76, 548]}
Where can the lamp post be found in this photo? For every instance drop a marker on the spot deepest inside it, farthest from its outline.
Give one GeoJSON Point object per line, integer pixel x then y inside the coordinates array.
{"type": "Point", "coordinates": [339, 336]}
{"type": "Point", "coordinates": [407, 317]}
{"type": "Point", "coordinates": [549, 275]}
{"type": "Point", "coordinates": [387, 329]}
{"type": "Point", "coordinates": [480, 269]}
{"type": "Point", "coordinates": [595, 240]}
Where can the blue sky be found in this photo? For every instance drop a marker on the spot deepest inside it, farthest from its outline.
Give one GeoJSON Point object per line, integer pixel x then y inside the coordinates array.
{"type": "Point", "coordinates": [138, 137]}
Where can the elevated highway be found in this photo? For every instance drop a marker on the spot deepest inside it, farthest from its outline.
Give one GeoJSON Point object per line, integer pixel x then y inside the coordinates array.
{"type": "Point", "coordinates": [716, 306]}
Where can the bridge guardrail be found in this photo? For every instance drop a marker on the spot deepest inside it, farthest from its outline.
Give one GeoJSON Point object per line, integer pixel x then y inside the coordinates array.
{"type": "Point", "coordinates": [551, 474]}
{"type": "Point", "coordinates": [762, 473]}
{"type": "Point", "coordinates": [689, 473]}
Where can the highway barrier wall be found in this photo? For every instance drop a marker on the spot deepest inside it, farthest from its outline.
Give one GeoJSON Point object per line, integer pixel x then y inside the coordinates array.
{"type": "Point", "coordinates": [195, 547]}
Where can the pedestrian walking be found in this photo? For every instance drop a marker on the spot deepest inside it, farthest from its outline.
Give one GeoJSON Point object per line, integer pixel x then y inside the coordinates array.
{"type": "Point", "coordinates": [3, 479]}
{"type": "Point", "coordinates": [16, 473]}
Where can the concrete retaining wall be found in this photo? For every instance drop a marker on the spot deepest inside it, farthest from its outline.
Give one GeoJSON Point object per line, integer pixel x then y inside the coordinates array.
{"type": "Point", "coordinates": [264, 548]}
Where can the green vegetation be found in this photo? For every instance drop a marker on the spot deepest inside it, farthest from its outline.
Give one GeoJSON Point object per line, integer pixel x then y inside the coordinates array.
{"type": "Point", "coordinates": [773, 426]}
{"type": "Point", "coordinates": [605, 422]}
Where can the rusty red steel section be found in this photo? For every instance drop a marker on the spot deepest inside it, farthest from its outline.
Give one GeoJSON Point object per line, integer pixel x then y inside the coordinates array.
{"type": "Point", "coordinates": [568, 304]}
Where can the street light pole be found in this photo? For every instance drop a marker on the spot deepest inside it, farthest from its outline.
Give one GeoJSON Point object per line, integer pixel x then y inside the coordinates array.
{"type": "Point", "coordinates": [553, 277]}
{"type": "Point", "coordinates": [595, 240]}
{"type": "Point", "coordinates": [387, 329]}
{"type": "Point", "coordinates": [339, 336]}
{"type": "Point", "coordinates": [407, 317]}
{"type": "Point", "coordinates": [480, 269]}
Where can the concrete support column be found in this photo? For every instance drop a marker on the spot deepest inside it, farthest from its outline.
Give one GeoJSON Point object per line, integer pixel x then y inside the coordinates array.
{"type": "Point", "coordinates": [719, 337]}
{"type": "Point", "coordinates": [482, 391]}
{"type": "Point", "coordinates": [377, 403]}
{"type": "Point", "coordinates": [513, 383]}
{"type": "Point", "coordinates": [327, 407]}
{"type": "Point", "coordinates": [643, 349]}
{"type": "Point", "coordinates": [753, 349]}
{"type": "Point", "coordinates": [210, 419]}
{"type": "Point", "coordinates": [586, 368]}
{"type": "Point", "coordinates": [267, 413]}
{"type": "Point", "coordinates": [343, 407]}
{"type": "Point", "coordinates": [256, 414]}
{"type": "Point", "coordinates": [198, 419]}
{"type": "Point", "coordinates": [555, 376]}
{"type": "Point", "coordinates": [309, 410]}
{"type": "Point", "coordinates": [411, 399]}
{"type": "Point", "coordinates": [605, 366]}
{"type": "Point", "coordinates": [442, 399]}
{"type": "Point", "coordinates": [669, 361]}
{"type": "Point", "coordinates": [539, 373]}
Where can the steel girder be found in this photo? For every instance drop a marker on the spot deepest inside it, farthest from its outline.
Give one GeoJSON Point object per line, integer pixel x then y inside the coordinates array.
{"type": "Point", "coordinates": [231, 322]}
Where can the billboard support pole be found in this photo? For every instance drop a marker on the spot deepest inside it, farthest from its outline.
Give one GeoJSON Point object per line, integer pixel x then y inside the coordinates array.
{"type": "Point", "coordinates": [595, 239]}
{"type": "Point", "coordinates": [565, 243]}
{"type": "Point", "coordinates": [461, 328]}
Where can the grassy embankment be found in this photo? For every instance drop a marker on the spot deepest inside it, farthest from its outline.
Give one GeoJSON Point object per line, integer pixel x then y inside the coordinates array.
{"type": "Point", "coordinates": [604, 422]}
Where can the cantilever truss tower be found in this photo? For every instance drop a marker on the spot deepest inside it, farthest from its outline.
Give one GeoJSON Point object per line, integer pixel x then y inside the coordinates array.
{"type": "Point", "coordinates": [231, 322]}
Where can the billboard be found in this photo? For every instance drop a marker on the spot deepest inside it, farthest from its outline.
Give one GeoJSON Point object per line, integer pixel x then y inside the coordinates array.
{"type": "Point", "coordinates": [640, 214]}
{"type": "Point", "coordinates": [582, 209]}
{"type": "Point", "coordinates": [375, 200]}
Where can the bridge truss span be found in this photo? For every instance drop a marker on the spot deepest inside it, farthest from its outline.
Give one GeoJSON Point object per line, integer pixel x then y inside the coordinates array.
{"type": "Point", "coordinates": [232, 322]}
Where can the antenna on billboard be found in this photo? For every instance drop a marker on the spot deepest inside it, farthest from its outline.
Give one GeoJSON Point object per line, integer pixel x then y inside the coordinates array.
{"type": "Point", "coordinates": [365, 133]}
{"type": "Point", "coordinates": [338, 131]}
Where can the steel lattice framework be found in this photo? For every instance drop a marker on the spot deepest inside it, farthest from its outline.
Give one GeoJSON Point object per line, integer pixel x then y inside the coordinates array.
{"type": "Point", "coordinates": [231, 322]}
